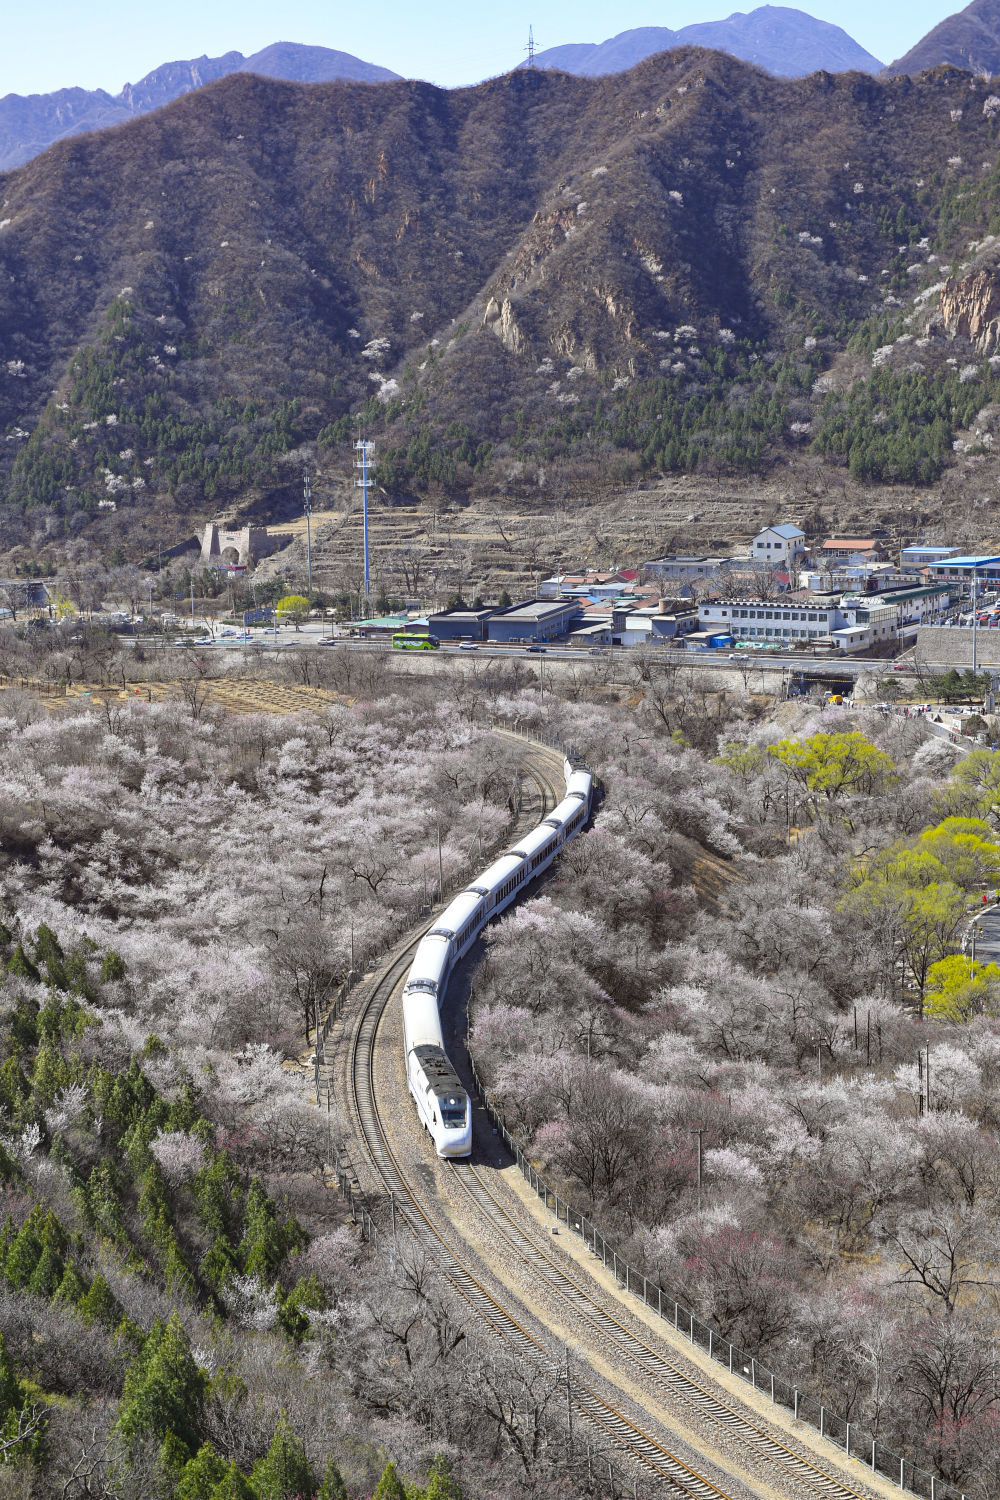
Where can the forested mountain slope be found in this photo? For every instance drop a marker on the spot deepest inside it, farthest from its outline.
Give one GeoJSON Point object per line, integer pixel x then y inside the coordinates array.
{"type": "Point", "coordinates": [538, 276]}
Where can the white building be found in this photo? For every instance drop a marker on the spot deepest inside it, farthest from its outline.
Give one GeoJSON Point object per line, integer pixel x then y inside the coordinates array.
{"type": "Point", "coordinates": [777, 546]}
{"type": "Point", "coordinates": [795, 623]}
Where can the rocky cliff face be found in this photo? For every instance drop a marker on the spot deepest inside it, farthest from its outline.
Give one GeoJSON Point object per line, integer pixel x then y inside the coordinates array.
{"type": "Point", "coordinates": [970, 309]}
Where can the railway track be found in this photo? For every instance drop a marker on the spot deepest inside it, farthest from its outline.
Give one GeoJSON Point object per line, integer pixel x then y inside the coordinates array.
{"type": "Point", "coordinates": [607, 1333]}
{"type": "Point", "coordinates": [611, 1332]}
{"type": "Point", "coordinates": [600, 1414]}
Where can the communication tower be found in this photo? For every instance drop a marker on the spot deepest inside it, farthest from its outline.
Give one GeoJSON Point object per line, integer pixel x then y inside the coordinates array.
{"type": "Point", "coordinates": [307, 500]}
{"type": "Point", "coordinates": [530, 48]}
{"type": "Point", "coordinates": [364, 459]}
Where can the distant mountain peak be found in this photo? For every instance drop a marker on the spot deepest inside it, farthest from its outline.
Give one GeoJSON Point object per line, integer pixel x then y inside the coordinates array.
{"type": "Point", "coordinates": [30, 123]}
{"type": "Point", "coordinates": [968, 39]}
{"type": "Point", "coordinates": [777, 38]}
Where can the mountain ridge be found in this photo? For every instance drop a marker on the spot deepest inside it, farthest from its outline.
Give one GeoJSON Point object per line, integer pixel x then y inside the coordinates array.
{"type": "Point", "coordinates": [30, 123]}
{"type": "Point", "coordinates": [535, 286]}
{"type": "Point", "coordinates": [968, 39]}
{"type": "Point", "coordinates": [784, 41]}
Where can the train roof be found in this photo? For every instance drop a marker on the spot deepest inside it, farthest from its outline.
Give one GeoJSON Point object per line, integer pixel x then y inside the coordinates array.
{"type": "Point", "coordinates": [442, 1080]}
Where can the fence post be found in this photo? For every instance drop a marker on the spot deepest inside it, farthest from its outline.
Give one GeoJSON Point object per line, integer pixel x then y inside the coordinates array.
{"type": "Point", "coordinates": [822, 1419]}
{"type": "Point", "coordinates": [691, 1315]}
{"type": "Point", "coordinates": [710, 1343]}
{"type": "Point", "coordinates": [795, 1407]}
{"type": "Point", "coordinates": [772, 1387]}
{"type": "Point", "coordinates": [644, 1291]}
{"type": "Point", "coordinates": [873, 1455]}
{"type": "Point", "coordinates": [902, 1466]}
{"type": "Point", "coordinates": [753, 1372]}
{"type": "Point", "coordinates": [730, 1359]}
{"type": "Point", "coordinates": [659, 1300]}
{"type": "Point", "coordinates": [847, 1440]}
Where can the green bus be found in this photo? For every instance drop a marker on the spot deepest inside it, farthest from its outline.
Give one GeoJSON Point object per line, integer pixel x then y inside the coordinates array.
{"type": "Point", "coordinates": [407, 642]}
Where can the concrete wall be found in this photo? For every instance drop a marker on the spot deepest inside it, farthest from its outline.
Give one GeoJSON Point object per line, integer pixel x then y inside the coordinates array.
{"type": "Point", "coordinates": [951, 646]}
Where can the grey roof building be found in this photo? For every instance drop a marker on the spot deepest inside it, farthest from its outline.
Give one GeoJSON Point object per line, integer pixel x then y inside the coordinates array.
{"type": "Point", "coordinates": [534, 620]}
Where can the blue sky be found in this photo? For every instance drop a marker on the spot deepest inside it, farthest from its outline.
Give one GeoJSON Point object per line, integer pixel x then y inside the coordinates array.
{"type": "Point", "coordinates": [50, 44]}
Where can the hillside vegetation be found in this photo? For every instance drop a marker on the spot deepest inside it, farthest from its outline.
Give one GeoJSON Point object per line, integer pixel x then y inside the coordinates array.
{"type": "Point", "coordinates": [541, 285]}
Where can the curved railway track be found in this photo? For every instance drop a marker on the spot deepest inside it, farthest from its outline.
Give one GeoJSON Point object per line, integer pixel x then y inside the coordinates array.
{"type": "Point", "coordinates": [607, 1331]}
{"type": "Point", "coordinates": [613, 1334]}
{"type": "Point", "coordinates": [599, 1413]}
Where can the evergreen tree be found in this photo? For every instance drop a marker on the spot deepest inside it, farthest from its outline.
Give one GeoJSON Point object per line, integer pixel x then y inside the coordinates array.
{"type": "Point", "coordinates": [112, 967]}
{"type": "Point", "coordinates": [441, 1482]}
{"type": "Point", "coordinates": [100, 1305]}
{"type": "Point", "coordinates": [265, 1243]}
{"type": "Point", "coordinates": [285, 1473]}
{"type": "Point", "coordinates": [72, 1289]}
{"type": "Point", "coordinates": [164, 1388]}
{"type": "Point", "coordinates": [333, 1486]}
{"type": "Point", "coordinates": [390, 1486]}
{"type": "Point", "coordinates": [232, 1486]}
{"type": "Point", "coordinates": [48, 1273]}
{"type": "Point", "coordinates": [20, 965]}
{"type": "Point", "coordinates": [26, 1250]}
{"type": "Point", "coordinates": [219, 1264]}
{"type": "Point", "coordinates": [200, 1475]}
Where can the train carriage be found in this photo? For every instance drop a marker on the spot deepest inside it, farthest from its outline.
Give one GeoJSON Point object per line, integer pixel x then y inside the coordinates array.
{"type": "Point", "coordinates": [442, 1103]}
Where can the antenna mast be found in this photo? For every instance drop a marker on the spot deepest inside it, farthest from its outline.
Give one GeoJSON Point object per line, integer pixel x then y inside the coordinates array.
{"type": "Point", "coordinates": [530, 48]}
{"type": "Point", "coordinates": [364, 460]}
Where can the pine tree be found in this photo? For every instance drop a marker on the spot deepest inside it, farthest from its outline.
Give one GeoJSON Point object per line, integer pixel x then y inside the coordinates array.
{"type": "Point", "coordinates": [164, 1388]}
{"type": "Point", "coordinates": [333, 1486]}
{"type": "Point", "coordinates": [262, 1248]}
{"type": "Point", "coordinates": [100, 1305]}
{"type": "Point", "coordinates": [441, 1482]}
{"type": "Point", "coordinates": [72, 1289]}
{"type": "Point", "coordinates": [20, 965]}
{"type": "Point", "coordinates": [26, 1250]}
{"type": "Point", "coordinates": [390, 1486]}
{"type": "Point", "coordinates": [48, 1273]}
{"type": "Point", "coordinates": [219, 1264]}
{"type": "Point", "coordinates": [232, 1486]}
{"type": "Point", "coordinates": [200, 1475]}
{"type": "Point", "coordinates": [285, 1473]}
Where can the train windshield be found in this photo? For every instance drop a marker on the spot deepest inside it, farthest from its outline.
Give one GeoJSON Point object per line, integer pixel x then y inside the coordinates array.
{"type": "Point", "coordinates": [453, 1113]}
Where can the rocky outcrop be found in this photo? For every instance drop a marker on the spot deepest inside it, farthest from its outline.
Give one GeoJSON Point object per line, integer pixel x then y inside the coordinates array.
{"type": "Point", "coordinates": [499, 316]}
{"type": "Point", "coordinates": [970, 309]}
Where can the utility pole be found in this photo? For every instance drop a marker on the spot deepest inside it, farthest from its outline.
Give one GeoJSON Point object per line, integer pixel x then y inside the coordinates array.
{"type": "Point", "coordinates": [440, 867]}
{"type": "Point", "coordinates": [365, 461]}
{"type": "Point", "coordinates": [699, 1133]}
{"type": "Point", "coordinates": [530, 48]}
{"type": "Point", "coordinates": [975, 624]}
{"type": "Point", "coordinates": [569, 1403]}
{"type": "Point", "coordinates": [307, 496]}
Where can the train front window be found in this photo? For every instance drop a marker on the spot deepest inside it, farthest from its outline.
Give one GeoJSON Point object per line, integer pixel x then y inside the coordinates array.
{"type": "Point", "coordinates": [453, 1114]}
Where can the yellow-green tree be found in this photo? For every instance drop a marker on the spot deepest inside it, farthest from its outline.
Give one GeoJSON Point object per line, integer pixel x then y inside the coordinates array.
{"type": "Point", "coordinates": [293, 607]}
{"type": "Point", "coordinates": [973, 788]}
{"type": "Point", "coordinates": [830, 765]}
{"type": "Point", "coordinates": [966, 849]}
{"type": "Point", "coordinates": [959, 988]}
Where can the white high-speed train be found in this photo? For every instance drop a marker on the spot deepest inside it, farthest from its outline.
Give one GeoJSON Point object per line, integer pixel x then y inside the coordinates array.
{"type": "Point", "coordinates": [442, 1102]}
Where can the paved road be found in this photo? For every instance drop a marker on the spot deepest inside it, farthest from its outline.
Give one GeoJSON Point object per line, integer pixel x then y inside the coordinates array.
{"type": "Point", "coordinates": [987, 936]}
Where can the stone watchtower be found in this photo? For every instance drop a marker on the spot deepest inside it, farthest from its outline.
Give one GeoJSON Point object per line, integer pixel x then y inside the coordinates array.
{"type": "Point", "coordinates": [243, 548]}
